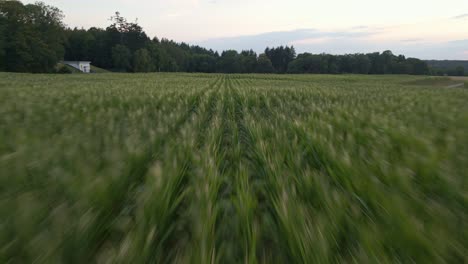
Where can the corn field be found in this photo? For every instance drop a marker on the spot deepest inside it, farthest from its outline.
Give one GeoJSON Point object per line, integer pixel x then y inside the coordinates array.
{"type": "Point", "coordinates": [205, 168]}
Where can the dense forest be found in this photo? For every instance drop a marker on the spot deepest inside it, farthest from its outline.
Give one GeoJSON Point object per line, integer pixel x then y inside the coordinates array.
{"type": "Point", "coordinates": [448, 67]}
{"type": "Point", "coordinates": [34, 39]}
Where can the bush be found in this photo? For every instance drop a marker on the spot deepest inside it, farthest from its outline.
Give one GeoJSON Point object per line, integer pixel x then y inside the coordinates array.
{"type": "Point", "coordinates": [64, 70]}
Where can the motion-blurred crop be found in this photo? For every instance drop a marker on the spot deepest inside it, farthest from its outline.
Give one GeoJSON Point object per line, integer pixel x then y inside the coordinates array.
{"type": "Point", "coordinates": [198, 168]}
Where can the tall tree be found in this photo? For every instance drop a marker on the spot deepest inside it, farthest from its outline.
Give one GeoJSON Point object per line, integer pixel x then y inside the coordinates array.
{"type": "Point", "coordinates": [264, 64]}
{"type": "Point", "coordinates": [35, 38]}
{"type": "Point", "coordinates": [101, 48]}
{"type": "Point", "coordinates": [388, 60]}
{"type": "Point", "coordinates": [230, 62]}
{"type": "Point", "coordinates": [155, 54]}
{"type": "Point", "coordinates": [142, 61]}
{"type": "Point", "coordinates": [79, 44]}
{"type": "Point", "coordinates": [377, 63]}
{"type": "Point", "coordinates": [127, 33]}
{"type": "Point", "coordinates": [248, 61]}
{"type": "Point", "coordinates": [417, 66]}
{"type": "Point", "coordinates": [121, 57]}
{"type": "Point", "coordinates": [281, 57]}
{"type": "Point", "coordinates": [363, 64]}
{"type": "Point", "coordinates": [202, 63]}
{"type": "Point", "coordinates": [2, 42]}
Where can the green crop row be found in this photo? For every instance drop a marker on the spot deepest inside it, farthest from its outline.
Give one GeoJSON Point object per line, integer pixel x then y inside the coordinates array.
{"type": "Point", "coordinates": [199, 168]}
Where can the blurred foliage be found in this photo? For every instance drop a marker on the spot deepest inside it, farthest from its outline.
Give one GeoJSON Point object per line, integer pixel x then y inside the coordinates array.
{"type": "Point", "coordinates": [162, 168]}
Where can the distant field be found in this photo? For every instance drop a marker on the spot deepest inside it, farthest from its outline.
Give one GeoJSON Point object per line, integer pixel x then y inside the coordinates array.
{"type": "Point", "coordinates": [200, 168]}
{"type": "Point", "coordinates": [460, 78]}
{"type": "Point", "coordinates": [439, 82]}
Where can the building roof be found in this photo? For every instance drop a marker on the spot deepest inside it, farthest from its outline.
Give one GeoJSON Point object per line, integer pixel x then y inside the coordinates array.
{"type": "Point", "coordinates": [76, 61]}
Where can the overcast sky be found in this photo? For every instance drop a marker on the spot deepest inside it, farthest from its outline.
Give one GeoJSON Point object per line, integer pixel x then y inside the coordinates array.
{"type": "Point", "coordinates": [428, 29]}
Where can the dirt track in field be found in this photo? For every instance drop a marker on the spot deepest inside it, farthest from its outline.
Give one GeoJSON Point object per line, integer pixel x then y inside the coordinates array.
{"type": "Point", "coordinates": [460, 78]}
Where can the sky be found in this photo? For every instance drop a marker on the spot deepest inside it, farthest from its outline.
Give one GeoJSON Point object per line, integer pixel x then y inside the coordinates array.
{"type": "Point", "coordinates": [427, 29]}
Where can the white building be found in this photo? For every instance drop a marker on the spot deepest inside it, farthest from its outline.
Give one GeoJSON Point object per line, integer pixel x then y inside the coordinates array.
{"type": "Point", "coordinates": [84, 66]}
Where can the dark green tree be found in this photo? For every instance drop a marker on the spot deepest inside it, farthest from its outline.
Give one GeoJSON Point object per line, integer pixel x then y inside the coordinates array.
{"type": "Point", "coordinates": [377, 63]}
{"type": "Point", "coordinates": [460, 71]}
{"type": "Point", "coordinates": [417, 66]}
{"type": "Point", "coordinates": [174, 56]}
{"type": "Point", "coordinates": [264, 64]}
{"type": "Point", "coordinates": [100, 52]}
{"type": "Point", "coordinates": [309, 63]}
{"type": "Point", "coordinates": [34, 37]}
{"type": "Point", "coordinates": [248, 61]}
{"type": "Point", "coordinates": [281, 57]}
{"type": "Point", "coordinates": [362, 64]}
{"type": "Point", "coordinates": [2, 42]}
{"type": "Point", "coordinates": [142, 61]}
{"type": "Point", "coordinates": [202, 63]}
{"type": "Point", "coordinates": [230, 62]}
{"type": "Point", "coordinates": [121, 57]}
{"type": "Point", "coordinates": [79, 44]}
{"type": "Point", "coordinates": [127, 33]}
{"type": "Point", "coordinates": [399, 65]}
{"type": "Point", "coordinates": [155, 55]}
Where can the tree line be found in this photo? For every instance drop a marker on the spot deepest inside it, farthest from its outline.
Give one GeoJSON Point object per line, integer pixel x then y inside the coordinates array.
{"type": "Point", "coordinates": [457, 71]}
{"type": "Point", "coordinates": [372, 63]}
{"type": "Point", "coordinates": [448, 67]}
{"type": "Point", "coordinates": [31, 37]}
{"type": "Point", "coordinates": [36, 40]}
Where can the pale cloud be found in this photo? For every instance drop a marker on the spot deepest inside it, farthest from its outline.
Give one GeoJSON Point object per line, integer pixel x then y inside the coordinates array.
{"type": "Point", "coordinates": [342, 42]}
{"type": "Point", "coordinates": [311, 41]}
{"type": "Point", "coordinates": [412, 40]}
{"type": "Point", "coordinates": [463, 16]}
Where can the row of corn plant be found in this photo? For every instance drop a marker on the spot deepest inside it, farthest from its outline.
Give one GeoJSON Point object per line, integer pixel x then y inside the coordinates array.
{"type": "Point", "coordinates": [200, 168]}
